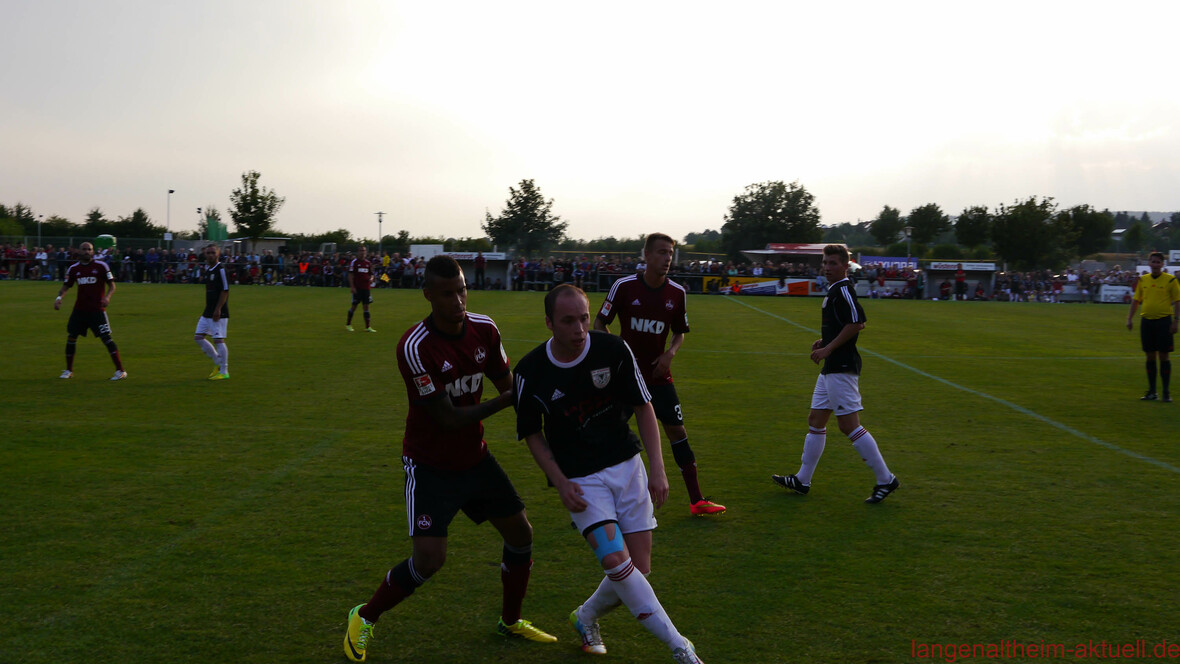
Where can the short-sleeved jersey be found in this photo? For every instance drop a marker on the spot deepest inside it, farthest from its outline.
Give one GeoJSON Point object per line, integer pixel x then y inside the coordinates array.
{"type": "Point", "coordinates": [646, 316]}
{"type": "Point", "coordinates": [581, 406]}
{"type": "Point", "coordinates": [216, 282]}
{"type": "Point", "coordinates": [840, 308]}
{"type": "Point", "coordinates": [362, 273]}
{"type": "Point", "coordinates": [1155, 295]}
{"type": "Point", "coordinates": [438, 366]}
{"type": "Point", "coordinates": [92, 279]}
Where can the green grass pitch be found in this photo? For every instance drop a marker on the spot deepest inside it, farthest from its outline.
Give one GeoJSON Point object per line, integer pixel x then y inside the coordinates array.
{"type": "Point", "coordinates": [170, 518]}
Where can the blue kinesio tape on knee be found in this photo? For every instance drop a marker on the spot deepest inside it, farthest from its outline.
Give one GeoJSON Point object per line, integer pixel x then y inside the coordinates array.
{"type": "Point", "coordinates": [606, 545]}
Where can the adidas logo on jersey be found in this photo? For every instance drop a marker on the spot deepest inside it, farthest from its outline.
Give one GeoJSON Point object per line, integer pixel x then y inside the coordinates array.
{"type": "Point", "coordinates": [636, 303]}
{"type": "Point", "coordinates": [557, 394]}
{"type": "Point", "coordinates": [446, 366]}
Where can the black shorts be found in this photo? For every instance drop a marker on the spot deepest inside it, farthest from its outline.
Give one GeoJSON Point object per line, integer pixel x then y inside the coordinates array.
{"type": "Point", "coordinates": [361, 297]}
{"type": "Point", "coordinates": [666, 403]}
{"type": "Point", "coordinates": [1156, 334]}
{"type": "Point", "coordinates": [81, 321]}
{"type": "Point", "coordinates": [434, 496]}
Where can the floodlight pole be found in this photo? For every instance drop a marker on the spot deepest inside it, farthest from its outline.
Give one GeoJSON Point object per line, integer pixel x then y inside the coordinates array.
{"type": "Point", "coordinates": [909, 230]}
{"type": "Point", "coordinates": [40, 217]}
{"type": "Point", "coordinates": [199, 224]}
{"type": "Point", "coordinates": [168, 215]}
{"type": "Point", "coordinates": [379, 216]}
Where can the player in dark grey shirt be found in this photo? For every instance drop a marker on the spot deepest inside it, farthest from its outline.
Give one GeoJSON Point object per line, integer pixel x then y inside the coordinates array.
{"type": "Point", "coordinates": [838, 386]}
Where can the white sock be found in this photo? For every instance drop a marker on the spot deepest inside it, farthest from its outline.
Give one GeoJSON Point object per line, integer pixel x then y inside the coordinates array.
{"type": "Point", "coordinates": [639, 597]}
{"type": "Point", "coordinates": [207, 348]}
{"type": "Point", "coordinates": [223, 357]}
{"type": "Point", "coordinates": [813, 449]}
{"type": "Point", "coordinates": [864, 443]}
{"type": "Point", "coordinates": [603, 601]}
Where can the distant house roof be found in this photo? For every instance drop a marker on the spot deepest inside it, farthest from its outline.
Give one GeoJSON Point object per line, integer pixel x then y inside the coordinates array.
{"type": "Point", "coordinates": [809, 248]}
{"type": "Point", "coordinates": [785, 249]}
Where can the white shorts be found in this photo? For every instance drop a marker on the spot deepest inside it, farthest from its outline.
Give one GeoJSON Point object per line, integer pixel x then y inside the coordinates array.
{"type": "Point", "coordinates": [837, 392]}
{"type": "Point", "coordinates": [618, 493]}
{"type": "Point", "coordinates": [217, 330]}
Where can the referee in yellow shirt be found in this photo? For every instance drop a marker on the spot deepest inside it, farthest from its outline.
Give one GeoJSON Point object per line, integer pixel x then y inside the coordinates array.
{"type": "Point", "coordinates": [1157, 296]}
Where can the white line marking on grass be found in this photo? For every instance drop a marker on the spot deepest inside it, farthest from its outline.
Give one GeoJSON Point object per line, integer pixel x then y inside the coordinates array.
{"type": "Point", "coordinates": [985, 358]}
{"type": "Point", "coordinates": [1020, 409]}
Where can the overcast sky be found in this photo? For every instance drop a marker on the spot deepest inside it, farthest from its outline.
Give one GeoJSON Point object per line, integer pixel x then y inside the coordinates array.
{"type": "Point", "coordinates": [634, 116]}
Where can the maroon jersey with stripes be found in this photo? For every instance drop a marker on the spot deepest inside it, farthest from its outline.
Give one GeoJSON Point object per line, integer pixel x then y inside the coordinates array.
{"type": "Point", "coordinates": [438, 366]}
{"type": "Point", "coordinates": [92, 279]}
{"type": "Point", "coordinates": [646, 316]}
{"type": "Point", "coordinates": [362, 273]}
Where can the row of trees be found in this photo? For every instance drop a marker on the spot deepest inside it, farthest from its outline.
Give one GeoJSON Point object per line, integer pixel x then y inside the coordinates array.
{"type": "Point", "coordinates": [1033, 232]}
{"type": "Point", "coordinates": [1027, 233]}
{"type": "Point", "coordinates": [253, 209]}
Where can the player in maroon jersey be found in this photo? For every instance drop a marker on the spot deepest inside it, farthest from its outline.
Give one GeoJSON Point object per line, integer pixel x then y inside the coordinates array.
{"type": "Point", "coordinates": [649, 306]}
{"type": "Point", "coordinates": [443, 360]}
{"type": "Point", "coordinates": [360, 279]}
{"type": "Point", "coordinates": [96, 285]}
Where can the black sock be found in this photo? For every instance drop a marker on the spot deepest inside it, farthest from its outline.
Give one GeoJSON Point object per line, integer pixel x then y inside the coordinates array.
{"type": "Point", "coordinates": [1151, 375]}
{"type": "Point", "coordinates": [1165, 373]}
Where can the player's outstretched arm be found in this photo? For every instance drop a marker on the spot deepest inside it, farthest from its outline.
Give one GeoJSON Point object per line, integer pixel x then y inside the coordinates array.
{"type": "Point", "coordinates": [600, 324]}
{"type": "Point", "coordinates": [569, 492]}
{"type": "Point", "coordinates": [447, 416]}
{"type": "Point", "coordinates": [649, 433]}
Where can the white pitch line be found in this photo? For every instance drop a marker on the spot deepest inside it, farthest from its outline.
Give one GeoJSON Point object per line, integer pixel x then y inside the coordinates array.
{"type": "Point", "coordinates": [983, 358]}
{"type": "Point", "coordinates": [1020, 409]}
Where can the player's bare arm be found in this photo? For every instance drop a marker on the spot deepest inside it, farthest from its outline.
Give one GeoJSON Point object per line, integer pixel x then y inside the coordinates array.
{"type": "Point", "coordinates": [600, 324]}
{"type": "Point", "coordinates": [221, 300]}
{"type": "Point", "coordinates": [850, 330]}
{"type": "Point", "coordinates": [57, 303]}
{"type": "Point", "coordinates": [351, 284]}
{"type": "Point", "coordinates": [649, 433]}
{"type": "Point", "coordinates": [106, 299]}
{"type": "Point", "coordinates": [1131, 315]}
{"type": "Point", "coordinates": [448, 416]}
{"type": "Point", "coordinates": [570, 492]}
{"type": "Point", "coordinates": [663, 364]}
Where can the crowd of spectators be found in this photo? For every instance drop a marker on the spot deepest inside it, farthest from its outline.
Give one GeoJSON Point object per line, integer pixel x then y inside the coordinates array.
{"type": "Point", "coordinates": [394, 270]}
{"type": "Point", "coordinates": [582, 271]}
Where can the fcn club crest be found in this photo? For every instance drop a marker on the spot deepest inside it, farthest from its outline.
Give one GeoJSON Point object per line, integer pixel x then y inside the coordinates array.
{"type": "Point", "coordinates": [601, 377]}
{"type": "Point", "coordinates": [481, 354]}
{"type": "Point", "coordinates": [424, 522]}
{"type": "Point", "coordinates": [669, 306]}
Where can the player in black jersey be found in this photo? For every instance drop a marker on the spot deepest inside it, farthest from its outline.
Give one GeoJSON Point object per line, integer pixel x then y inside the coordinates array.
{"type": "Point", "coordinates": [574, 395]}
{"type": "Point", "coordinates": [838, 386]}
{"type": "Point", "coordinates": [214, 320]}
